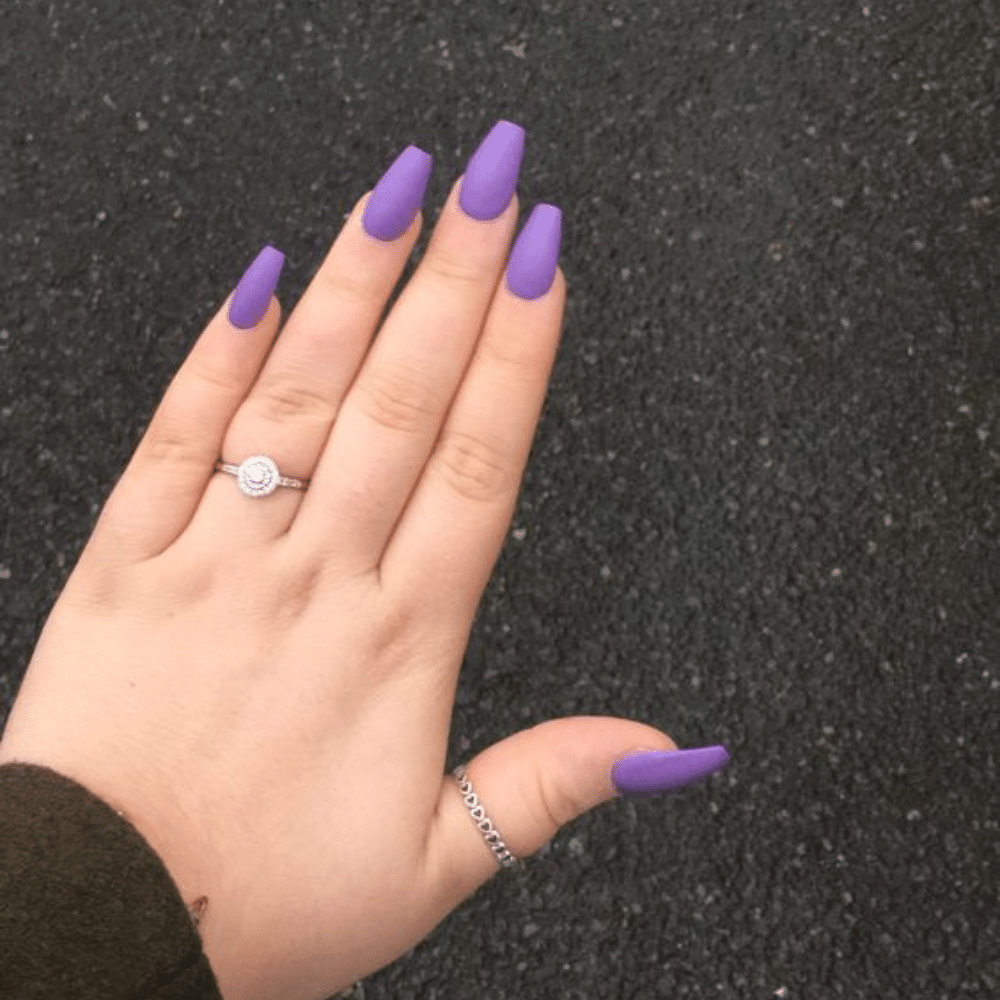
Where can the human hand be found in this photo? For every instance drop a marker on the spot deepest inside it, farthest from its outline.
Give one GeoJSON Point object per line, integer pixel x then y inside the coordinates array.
{"type": "Point", "coordinates": [263, 687]}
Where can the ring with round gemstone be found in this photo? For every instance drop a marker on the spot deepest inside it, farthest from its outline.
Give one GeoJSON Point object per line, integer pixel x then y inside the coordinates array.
{"type": "Point", "coordinates": [258, 476]}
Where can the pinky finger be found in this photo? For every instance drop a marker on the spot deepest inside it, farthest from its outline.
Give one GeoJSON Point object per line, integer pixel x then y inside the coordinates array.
{"type": "Point", "coordinates": [160, 489]}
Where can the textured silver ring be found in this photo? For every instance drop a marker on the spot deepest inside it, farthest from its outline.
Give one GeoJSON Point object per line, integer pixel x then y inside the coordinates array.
{"type": "Point", "coordinates": [258, 476]}
{"type": "Point", "coordinates": [490, 833]}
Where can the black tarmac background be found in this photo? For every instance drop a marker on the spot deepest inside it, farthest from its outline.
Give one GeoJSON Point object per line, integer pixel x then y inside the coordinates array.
{"type": "Point", "coordinates": [762, 507]}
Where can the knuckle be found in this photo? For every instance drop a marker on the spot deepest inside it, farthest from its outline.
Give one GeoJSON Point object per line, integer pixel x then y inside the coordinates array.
{"type": "Point", "coordinates": [521, 355]}
{"type": "Point", "coordinates": [473, 467]}
{"type": "Point", "coordinates": [167, 444]}
{"type": "Point", "coordinates": [291, 398]}
{"type": "Point", "coordinates": [454, 269]}
{"type": "Point", "coordinates": [556, 804]}
{"type": "Point", "coordinates": [396, 399]}
{"type": "Point", "coordinates": [219, 379]}
{"type": "Point", "coordinates": [341, 286]}
{"type": "Point", "coordinates": [170, 437]}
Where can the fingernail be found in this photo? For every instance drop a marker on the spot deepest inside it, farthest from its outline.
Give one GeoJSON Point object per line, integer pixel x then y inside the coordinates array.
{"type": "Point", "coordinates": [397, 197]}
{"type": "Point", "coordinates": [491, 174]}
{"type": "Point", "coordinates": [535, 256]}
{"type": "Point", "coordinates": [253, 294]}
{"type": "Point", "coordinates": [642, 775]}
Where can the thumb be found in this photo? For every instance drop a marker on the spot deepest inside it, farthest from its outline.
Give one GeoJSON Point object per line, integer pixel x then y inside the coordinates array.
{"type": "Point", "coordinates": [530, 785]}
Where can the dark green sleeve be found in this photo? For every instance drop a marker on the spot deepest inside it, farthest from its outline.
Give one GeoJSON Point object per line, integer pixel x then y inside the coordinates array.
{"type": "Point", "coordinates": [87, 908]}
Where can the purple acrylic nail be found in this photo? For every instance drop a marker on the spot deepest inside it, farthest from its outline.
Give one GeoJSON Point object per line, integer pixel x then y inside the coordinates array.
{"type": "Point", "coordinates": [253, 294]}
{"type": "Point", "coordinates": [533, 261]}
{"type": "Point", "coordinates": [643, 775]}
{"type": "Point", "coordinates": [397, 197]}
{"type": "Point", "coordinates": [491, 174]}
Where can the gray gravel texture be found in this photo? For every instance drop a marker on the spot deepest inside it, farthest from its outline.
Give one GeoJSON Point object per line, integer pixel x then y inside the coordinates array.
{"type": "Point", "coordinates": [762, 506]}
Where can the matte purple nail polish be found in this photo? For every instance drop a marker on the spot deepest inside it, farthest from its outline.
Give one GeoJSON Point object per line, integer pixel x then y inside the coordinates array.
{"type": "Point", "coordinates": [643, 775]}
{"type": "Point", "coordinates": [533, 261]}
{"type": "Point", "coordinates": [253, 294]}
{"type": "Point", "coordinates": [492, 172]}
{"type": "Point", "coordinates": [397, 197]}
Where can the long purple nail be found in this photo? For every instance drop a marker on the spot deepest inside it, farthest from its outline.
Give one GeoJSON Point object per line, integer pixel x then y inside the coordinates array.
{"type": "Point", "coordinates": [642, 775]}
{"type": "Point", "coordinates": [535, 256]}
{"type": "Point", "coordinates": [253, 294]}
{"type": "Point", "coordinates": [491, 174]}
{"type": "Point", "coordinates": [398, 195]}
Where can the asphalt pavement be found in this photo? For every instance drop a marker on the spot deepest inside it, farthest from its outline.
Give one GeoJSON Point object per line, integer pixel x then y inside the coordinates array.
{"type": "Point", "coordinates": [762, 505]}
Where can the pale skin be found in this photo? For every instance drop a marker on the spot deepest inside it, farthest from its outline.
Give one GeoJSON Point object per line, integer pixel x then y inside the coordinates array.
{"type": "Point", "coordinates": [264, 688]}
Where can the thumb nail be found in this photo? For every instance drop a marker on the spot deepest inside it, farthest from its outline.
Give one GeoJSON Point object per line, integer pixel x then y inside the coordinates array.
{"type": "Point", "coordinates": [642, 775]}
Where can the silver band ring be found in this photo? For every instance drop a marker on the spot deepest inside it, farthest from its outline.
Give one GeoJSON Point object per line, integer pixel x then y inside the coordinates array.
{"type": "Point", "coordinates": [490, 833]}
{"type": "Point", "coordinates": [258, 476]}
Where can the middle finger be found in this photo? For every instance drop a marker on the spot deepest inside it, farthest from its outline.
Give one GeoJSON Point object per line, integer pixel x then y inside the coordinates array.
{"type": "Point", "coordinates": [390, 419]}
